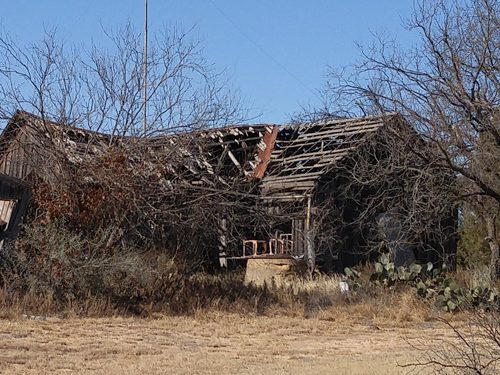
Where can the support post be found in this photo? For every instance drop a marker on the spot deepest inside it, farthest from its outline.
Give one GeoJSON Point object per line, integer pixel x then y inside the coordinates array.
{"type": "Point", "coordinates": [223, 243]}
{"type": "Point", "coordinates": [310, 254]}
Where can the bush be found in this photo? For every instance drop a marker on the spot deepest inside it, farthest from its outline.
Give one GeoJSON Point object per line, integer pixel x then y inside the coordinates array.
{"type": "Point", "coordinates": [429, 283]}
{"type": "Point", "coordinates": [50, 260]}
{"type": "Point", "coordinates": [52, 266]}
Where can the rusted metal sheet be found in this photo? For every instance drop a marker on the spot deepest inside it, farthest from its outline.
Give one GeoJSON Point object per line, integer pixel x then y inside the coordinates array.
{"type": "Point", "coordinates": [264, 155]}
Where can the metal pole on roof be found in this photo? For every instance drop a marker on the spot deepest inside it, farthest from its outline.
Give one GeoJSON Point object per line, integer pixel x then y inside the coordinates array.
{"type": "Point", "coordinates": [145, 65]}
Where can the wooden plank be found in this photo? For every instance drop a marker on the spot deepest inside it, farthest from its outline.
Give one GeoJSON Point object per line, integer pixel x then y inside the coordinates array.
{"type": "Point", "coordinates": [304, 176]}
{"type": "Point", "coordinates": [288, 184]}
{"type": "Point", "coordinates": [323, 142]}
{"type": "Point", "coordinates": [235, 141]}
{"type": "Point", "coordinates": [348, 121]}
{"type": "Point", "coordinates": [319, 164]}
{"type": "Point", "coordinates": [233, 159]}
{"type": "Point", "coordinates": [316, 155]}
{"type": "Point", "coordinates": [276, 193]}
{"type": "Point", "coordinates": [365, 128]}
{"type": "Point", "coordinates": [333, 132]}
{"type": "Point", "coordinates": [284, 198]}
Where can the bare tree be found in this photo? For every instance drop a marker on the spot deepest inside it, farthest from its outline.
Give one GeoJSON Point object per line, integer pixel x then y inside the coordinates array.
{"type": "Point", "coordinates": [166, 186]}
{"type": "Point", "coordinates": [473, 348]}
{"type": "Point", "coordinates": [448, 89]}
{"type": "Point", "coordinates": [101, 89]}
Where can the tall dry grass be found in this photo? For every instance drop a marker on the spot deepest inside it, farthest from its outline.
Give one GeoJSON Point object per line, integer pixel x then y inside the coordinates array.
{"type": "Point", "coordinates": [203, 293]}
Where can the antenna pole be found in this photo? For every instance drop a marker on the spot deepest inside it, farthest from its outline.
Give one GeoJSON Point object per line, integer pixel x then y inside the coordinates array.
{"type": "Point", "coordinates": [145, 65]}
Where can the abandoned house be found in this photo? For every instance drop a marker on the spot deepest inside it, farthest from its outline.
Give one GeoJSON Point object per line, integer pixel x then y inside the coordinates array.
{"type": "Point", "coordinates": [296, 175]}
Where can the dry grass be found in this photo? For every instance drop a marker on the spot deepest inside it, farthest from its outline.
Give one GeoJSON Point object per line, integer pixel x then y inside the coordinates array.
{"type": "Point", "coordinates": [202, 294]}
{"type": "Point", "coordinates": [399, 309]}
{"type": "Point", "coordinates": [322, 298]}
{"type": "Point", "coordinates": [207, 344]}
{"type": "Point", "coordinates": [15, 305]}
{"type": "Point", "coordinates": [304, 326]}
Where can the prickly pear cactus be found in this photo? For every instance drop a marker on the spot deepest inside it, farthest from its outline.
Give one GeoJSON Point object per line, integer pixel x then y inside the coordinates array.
{"type": "Point", "coordinates": [431, 283]}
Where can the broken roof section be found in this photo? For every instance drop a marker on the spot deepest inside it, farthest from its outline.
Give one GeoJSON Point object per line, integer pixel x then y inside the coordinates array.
{"type": "Point", "coordinates": [303, 153]}
{"type": "Point", "coordinates": [27, 139]}
{"type": "Point", "coordinates": [248, 147]}
{"type": "Point", "coordinates": [287, 160]}
{"type": "Point", "coordinates": [244, 151]}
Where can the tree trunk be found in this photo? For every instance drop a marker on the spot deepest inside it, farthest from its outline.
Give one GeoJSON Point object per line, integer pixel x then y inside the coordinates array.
{"type": "Point", "coordinates": [494, 243]}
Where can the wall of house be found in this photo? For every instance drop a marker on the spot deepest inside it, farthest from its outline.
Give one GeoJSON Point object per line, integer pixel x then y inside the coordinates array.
{"type": "Point", "coordinates": [17, 159]}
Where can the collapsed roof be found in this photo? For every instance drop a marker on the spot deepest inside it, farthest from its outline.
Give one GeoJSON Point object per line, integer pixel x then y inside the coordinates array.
{"type": "Point", "coordinates": [303, 153]}
{"type": "Point", "coordinates": [285, 161]}
{"type": "Point", "coordinates": [27, 139]}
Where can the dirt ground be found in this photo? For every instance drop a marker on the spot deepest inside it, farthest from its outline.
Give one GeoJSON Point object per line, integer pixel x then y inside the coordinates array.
{"type": "Point", "coordinates": [215, 344]}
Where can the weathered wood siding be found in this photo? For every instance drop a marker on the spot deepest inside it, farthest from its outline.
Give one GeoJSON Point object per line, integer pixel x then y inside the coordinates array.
{"type": "Point", "coordinates": [17, 159]}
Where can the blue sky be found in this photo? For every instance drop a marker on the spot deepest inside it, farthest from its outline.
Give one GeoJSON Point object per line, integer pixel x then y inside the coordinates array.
{"type": "Point", "coordinates": [274, 52]}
